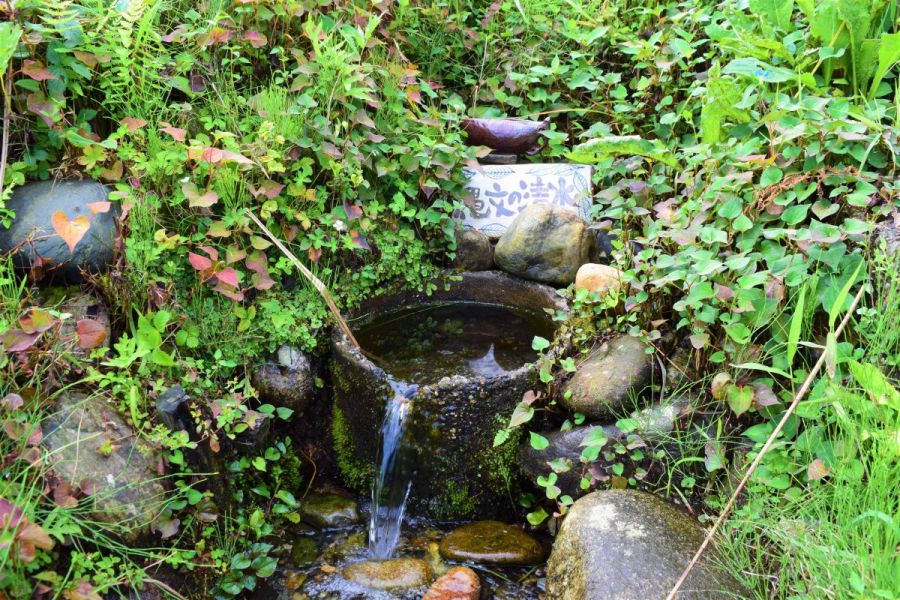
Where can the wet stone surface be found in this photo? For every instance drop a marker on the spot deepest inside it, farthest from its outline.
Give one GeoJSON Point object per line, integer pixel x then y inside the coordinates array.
{"type": "Point", "coordinates": [492, 542]}
{"type": "Point", "coordinates": [395, 573]}
{"type": "Point", "coordinates": [329, 510]}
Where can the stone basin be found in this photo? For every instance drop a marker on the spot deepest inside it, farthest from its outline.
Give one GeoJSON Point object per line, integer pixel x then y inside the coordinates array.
{"type": "Point", "coordinates": [453, 422]}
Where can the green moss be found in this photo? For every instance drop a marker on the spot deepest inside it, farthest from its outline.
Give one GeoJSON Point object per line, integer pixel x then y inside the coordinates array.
{"type": "Point", "coordinates": [498, 465]}
{"type": "Point", "coordinates": [455, 503]}
{"type": "Point", "coordinates": [357, 474]}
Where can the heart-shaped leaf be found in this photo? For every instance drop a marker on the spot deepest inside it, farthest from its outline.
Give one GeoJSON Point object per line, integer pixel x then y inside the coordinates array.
{"type": "Point", "coordinates": [70, 231]}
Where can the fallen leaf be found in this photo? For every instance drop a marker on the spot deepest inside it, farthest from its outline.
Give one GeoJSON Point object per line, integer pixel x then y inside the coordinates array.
{"type": "Point", "coordinates": [817, 470]}
{"type": "Point", "coordinates": [70, 231]}
{"type": "Point", "coordinates": [37, 320]}
{"type": "Point", "coordinates": [11, 402]}
{"type": "Point", "coordinates": [91, 333]}
{"type": "Point", "coordinates": [167, 528]}
{"type": "Point", "coordinates": [16, 340]}
{"type": "Point", "coordinates": [99, 207]}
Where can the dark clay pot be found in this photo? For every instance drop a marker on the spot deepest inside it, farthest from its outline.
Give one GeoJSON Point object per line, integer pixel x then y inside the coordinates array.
{"type": "Point", "coordinates": [459, 474]}
{"type": "Point", "coordinates": [511, 136]}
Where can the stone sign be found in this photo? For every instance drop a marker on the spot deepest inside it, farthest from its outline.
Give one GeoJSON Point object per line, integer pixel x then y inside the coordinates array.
{"type": "Point", "coordinates": [500, 192]}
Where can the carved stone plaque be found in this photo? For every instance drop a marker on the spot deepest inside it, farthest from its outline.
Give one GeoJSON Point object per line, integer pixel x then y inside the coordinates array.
{"type": "Point", "coordinates": [498, 193]}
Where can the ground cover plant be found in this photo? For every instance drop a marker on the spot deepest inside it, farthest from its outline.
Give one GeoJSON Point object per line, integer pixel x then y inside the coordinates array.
{"type": "Point", "coordinates": [743, 154]}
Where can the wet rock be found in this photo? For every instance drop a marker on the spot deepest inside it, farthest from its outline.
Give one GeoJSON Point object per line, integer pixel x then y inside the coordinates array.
{"type": "Point", "coordinates": [473, 251]}
{"type": "Point", "coordinates": [35, 204]}
{"type": "Point", "coordinates": [459, 583]}
{"type": "Point", "coordinates": [91, 447]}
{"type": "Point", "coordinates": [620, 544]}
{"type": "Point", "coordinates": [653, 425]}
{"type": "Point", "coordinates": [597, 278]}
{"type": "Point", "coordinates": [396, 573]}
{"type": "Point", "coordinates": [545, 243]}
{"type": "Point", "coordinates": [304, 551]}
{"type": "Point", "coordinates": [608, 380]}
{"type": "Point", "coordinates": [491, 542]}
{"type": "Point", "coordinates": [329, 510]}
{"type": "Point", "coordinates": [287, 381]}
{"type": "Point", "coordinates": [257, 433]}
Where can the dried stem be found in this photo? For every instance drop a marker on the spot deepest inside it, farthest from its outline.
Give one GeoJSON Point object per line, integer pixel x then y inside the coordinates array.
{"type": "Point", "coordinates": [769, 442]}
{"type": "Point", "coordinates": [317, 283]}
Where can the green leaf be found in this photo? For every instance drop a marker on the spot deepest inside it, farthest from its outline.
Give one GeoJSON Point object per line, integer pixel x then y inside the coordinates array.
{"type": "Point", "coordinates": [538, 442]}
{"type": "Point", "coordinates": [752, 366]}
{"type": "Point", "coordinates": [521, 415]}
{"type": "Point", "coordinates": [796, 327]}
{"type": "Point", "coordinates": [597, 149]}
{"type": "Point", "coordinates": [771, 176]}
{"type": "Point", "coordinates": [776, 12]}
{"type": "Point", "coordinates": [539, 343]}
{"type": "Point", "coordinates": [10, 32]}
{"type": "Point", "coordinates": [537, 517]}
{"type": "Point", "coordinates": [739, 398]}
{"type": "Point", "coordinates": [888, 57]}
{"type": "Point", "coordinates": [795, 214]}
{"type": "Point", "coordinates": [838, 305]}
{"type": "Point", "coordinates": [260, 463]}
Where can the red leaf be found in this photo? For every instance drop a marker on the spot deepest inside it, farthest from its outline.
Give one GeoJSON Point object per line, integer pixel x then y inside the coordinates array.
{"type": "Point", "coordinates": [331, 150]}
{"type": "Point", "coordinates": [234, 254]}
{"type": "Point", "coordinates": [11, 402]}
{"type": "Point", "coordinates": [99, 207]}
{"type": "Point", "coordinates": [359, 240]}
{"type": "Point", "coordinates": [196, 199]}
{"type": "Point", "coordinates": [262, 281]}
{"type": "Point", "coordinates": [91, 333]}
{"type": "Point", "coordinates": [353, 211]}
{"type": "Point", "coordinates": [211, 252]}
{"type": "Point", "coordinates": [177, 134]}
{"type": "Point", "coordinates": [36, 70]}
{"type": "Point", "coordinates": [39, 105]}
{"type": "Point", "coordinates": [269, 188]}
{"type": "Point", "coordinates": [258, 262]}
{"type": "Point", "coordinates": [314, 254]}
{"type": "Point", "coordinates": [133, 124]}
{"type": "Point", "coordinates": [228, 276]}
{"type": "Point", "coordinates": [16, 340]}
{"type": "Point", "coordinates": [817, 470]}
{"type": "Point", "coordinates": [201, 263]}
{"type": "Point", "coordinates": [70, 231]}
{"type": "Point", "coordinates": [215, 156]}
{"type": "Point", "coordinates": [223, 289]}
{"type": "Point", "coordinates": [82, 591]}
{"type": "Point", "coordinates": [37, 320]}
{"type": "Point", "coordinates": [256, 39]}
{"type": "Point", "coordinates": [414, 94]}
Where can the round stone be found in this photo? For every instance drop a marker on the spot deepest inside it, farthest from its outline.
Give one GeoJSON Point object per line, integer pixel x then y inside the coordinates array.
{"type": "Point", "coordinates": [600, 279]}
{"type": "Point", "coordinates": [606, 382]}
{"type": "Point", "coordinates": [473, 251]}
{"type": "Point", "coordinates": [36, 203]}
{"type": "Point", "coordinates": [491, 542]}
{"type": "Point", "coordinates": [329, 510]}
{"type": "Point", "coordinates": [545, 243]}
{"type": "Point", "coordinates": [625, 544]}
{"type": "Point", "coordinates": [459, 583]}
{"type": "Point", "coordinates": [395, 573]}
{"type": "Point", "coordinates": [287, 382]}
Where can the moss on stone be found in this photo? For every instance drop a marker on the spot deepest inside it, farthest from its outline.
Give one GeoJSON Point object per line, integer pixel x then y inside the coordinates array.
{"type": "Point", "coordinates": [455, 503]}
{"type": "Point", "coordinates": [358, 474]}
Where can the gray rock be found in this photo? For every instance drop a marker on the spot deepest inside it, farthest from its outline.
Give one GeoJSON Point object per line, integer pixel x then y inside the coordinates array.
{"type": "Point", "coordinates": [608, 380]}
{"type": "Point", "coordinates": [397, 573]}
{"type": "Point", "coordinates": [545, 243]}
{"type": "Point", "coordinates": [473, 251]}
{"type": "Point", "coordinates": [35, 203]}
{"type": "Point", "coordinates": [287, 382]}
{"type": "Point", "coordinates": [91, 447]}
{"type": "Point", "coordinates": [626, 544]}
{"type": "Point", "coordinates": [491, 542]}
{"type": "Point", "coordinates": [329, 510]}
{"type": "Point", "coordinates": [653, 426]}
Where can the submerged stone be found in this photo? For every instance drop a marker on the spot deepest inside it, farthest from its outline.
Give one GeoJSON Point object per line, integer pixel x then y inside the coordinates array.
{"type": "Point", "coordinates": [396, 573]}
{"type": "Point", "coordinates": [329, 510]}
{"type": "Point", "coordinates": [606, 383]}
{"type": "Point", "coordinates": [35, 204]}
{"type": "Point", "coordinates": [304, 551]}
{"type": "Point", "coordinates": [459, 583]}
{"type": "Point", "coordinates": [626, 544]}
{"type": "Point", "coordinates": [545, 243]}
{"type": "Point", "coordinates": [491, 542]}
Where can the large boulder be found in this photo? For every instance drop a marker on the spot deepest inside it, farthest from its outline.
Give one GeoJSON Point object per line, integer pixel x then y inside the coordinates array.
{"type": "Point", "coordinates": [35, 204]}
{"type": "Point", "coordinates": [90, 446]}
{"type": "Point", "coordinates": [626, 544]}
{"type": "Point", "coordinates": [473, 251]}
{"type": "Point", "coordinates": [606, 383]}
{"type": "Point", "coordinates": [653, 426]}
{"type": "Point", "coordinates": [287, 380]}
{"type": "Point", "coordinates": [545, 243]}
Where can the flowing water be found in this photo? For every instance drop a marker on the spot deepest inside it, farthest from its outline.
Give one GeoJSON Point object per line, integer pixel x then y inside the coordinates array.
{"type": "Point", "coordinates": [421, 345]}
{"type": "Point", "coordinates": [395, 473]}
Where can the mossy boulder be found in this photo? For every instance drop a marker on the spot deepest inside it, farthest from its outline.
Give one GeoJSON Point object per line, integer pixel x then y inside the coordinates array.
{"type": "Point", "coordinates": [491, 542]}
{"type": "Point", "coordinates": [329, 510]}
{"type": "Point", "coordinates": [91, 447]}
{"type": "Point", "coordinates": [35, 204]}
{"type": "Point", "coordinates": [474, 251]}
{"type": "Point", "coordinates": [545, 243]}
{"type": "Point", "coordinates": [396, 573]}
{"type": "Point", "coordinates": [607, 382]}
{"type": "Point", "coordinates": [629, 545]}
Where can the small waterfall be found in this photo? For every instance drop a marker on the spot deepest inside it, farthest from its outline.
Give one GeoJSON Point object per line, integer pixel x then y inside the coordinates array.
{"type": "Point", "coordinates": [395, 474]}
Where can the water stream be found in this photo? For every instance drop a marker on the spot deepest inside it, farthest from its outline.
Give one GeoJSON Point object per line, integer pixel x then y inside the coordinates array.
{"type": "Point", "coordinates": [395, 473]}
